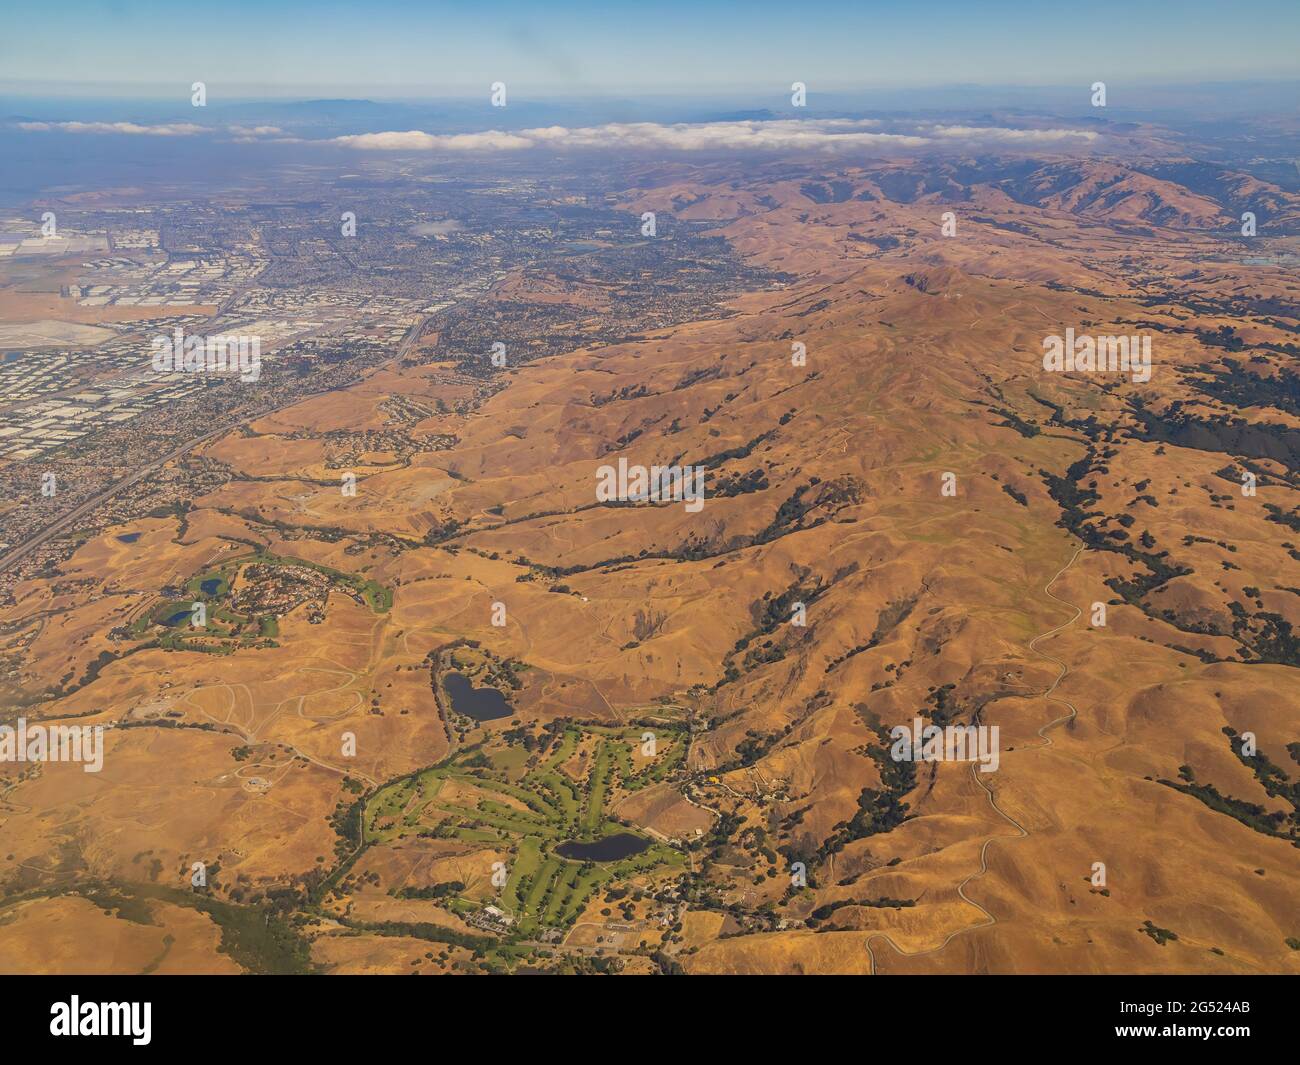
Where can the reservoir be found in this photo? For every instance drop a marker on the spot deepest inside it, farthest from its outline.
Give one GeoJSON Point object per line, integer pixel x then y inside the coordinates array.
{"type": "Point", "coordinates": [128, 538]}
{"type": "Point", "coordinates": [211, 586]}
{"type": "Point", "coordinates": [610, 849]}
{"type": "Point", "coordinates": [482, 704]}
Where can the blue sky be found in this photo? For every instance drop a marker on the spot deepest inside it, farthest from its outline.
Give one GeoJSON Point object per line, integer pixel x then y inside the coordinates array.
{"type": "Point", "coordinates": [387, 48]}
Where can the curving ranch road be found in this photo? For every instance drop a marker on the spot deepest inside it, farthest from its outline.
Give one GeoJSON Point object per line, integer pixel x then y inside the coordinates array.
{"type": "Point", "coordinates": [1021, 831]}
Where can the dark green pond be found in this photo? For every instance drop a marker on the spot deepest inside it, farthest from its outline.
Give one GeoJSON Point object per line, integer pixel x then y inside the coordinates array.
{"type": "Point", "coordinates": [610, 849]}
{"type": "Point", "coordinates": [482, 704]}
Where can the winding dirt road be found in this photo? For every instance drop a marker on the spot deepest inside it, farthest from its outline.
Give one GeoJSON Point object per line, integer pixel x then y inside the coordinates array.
{"type": "Point", "coordinates": [1021, 831]}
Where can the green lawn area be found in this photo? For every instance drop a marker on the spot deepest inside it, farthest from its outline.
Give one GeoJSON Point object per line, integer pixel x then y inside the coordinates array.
{"type": "Point", "coordinates": [476, 835]}
{"type": "Point", "coordinates": [594, 815]}
{"type": "Point", "coordinates": [564, 749]}
{"type": "Point", "coordinates": [528, 859]}
{"type": "Point", "coordinates": [516, 826]}
{"type": "Point", "coordinates": [585, 885]}
{"type": "Point", "coordinates": [530, 797]}
{"type": "Point", "coordinates": [540, 885]}
{"type": "Point", "coordinates": [513, 813]}
{"type": "Point", "coordinates": [376, 596]}
{"type": "Point", "coordinates": [194, 586]}
{"type": "Point", "coordinates": [670, 755]}
{"type": "Point", "coordinates": [543, 889]}
{"type": "Point", "coordinates": [510, 761]}
{"type": "Point", "coordinates": [388, 805]}
{"type": "Point", "coordinates": [623, 761]}
{"type": "Point", "coordinates": [559, 791]}
{"type": "Point", "coordinates": [222, 621]}
{"type": "Point", "coordinates": [564, 887]}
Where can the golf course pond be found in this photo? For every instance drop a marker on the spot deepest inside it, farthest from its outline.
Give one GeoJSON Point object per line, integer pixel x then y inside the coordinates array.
{"type": "Point", "coordinates": [482, 704]}
{"type": "Point", "coordinates": [610, 849]}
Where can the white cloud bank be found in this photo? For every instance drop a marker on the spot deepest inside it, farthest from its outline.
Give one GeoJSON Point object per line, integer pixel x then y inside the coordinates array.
{"type": "Point", "coordinates": [777, 135]}
{"type": "Point", "coordinates": [1002, 135]}
{"type": "Point", "coordinates": [256, 131]}
{"type": "Point", "coordinates": [171, 129]}
{"type": "Point", "coordinates": [812, 135]}
{"type": "Point", "coordinates": [166, 129]}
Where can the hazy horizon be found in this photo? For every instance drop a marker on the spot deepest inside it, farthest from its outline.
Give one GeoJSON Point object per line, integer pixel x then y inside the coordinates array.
{"type": "Point", "coordinates": [578, 48]}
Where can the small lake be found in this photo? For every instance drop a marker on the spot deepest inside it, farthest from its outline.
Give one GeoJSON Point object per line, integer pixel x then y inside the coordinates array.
{"type": "Point", "coordinates": [211, 586]}
{"type": "Point", "coordinates": [610, 849]}
{"type": "Point", "coordinates": [178, 618]}
{"type": "Point", "coordinates": [482, 704]}
{"type": "Point", "coordinates": [128, 538]}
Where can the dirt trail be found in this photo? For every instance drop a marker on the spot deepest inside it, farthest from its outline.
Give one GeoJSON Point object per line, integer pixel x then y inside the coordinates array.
{"type": "Point", "coordinates": [1021, 831]}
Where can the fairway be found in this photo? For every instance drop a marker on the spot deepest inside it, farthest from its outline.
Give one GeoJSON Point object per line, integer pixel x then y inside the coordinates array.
{"type": "Point", "coordinates": [468, 798]}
